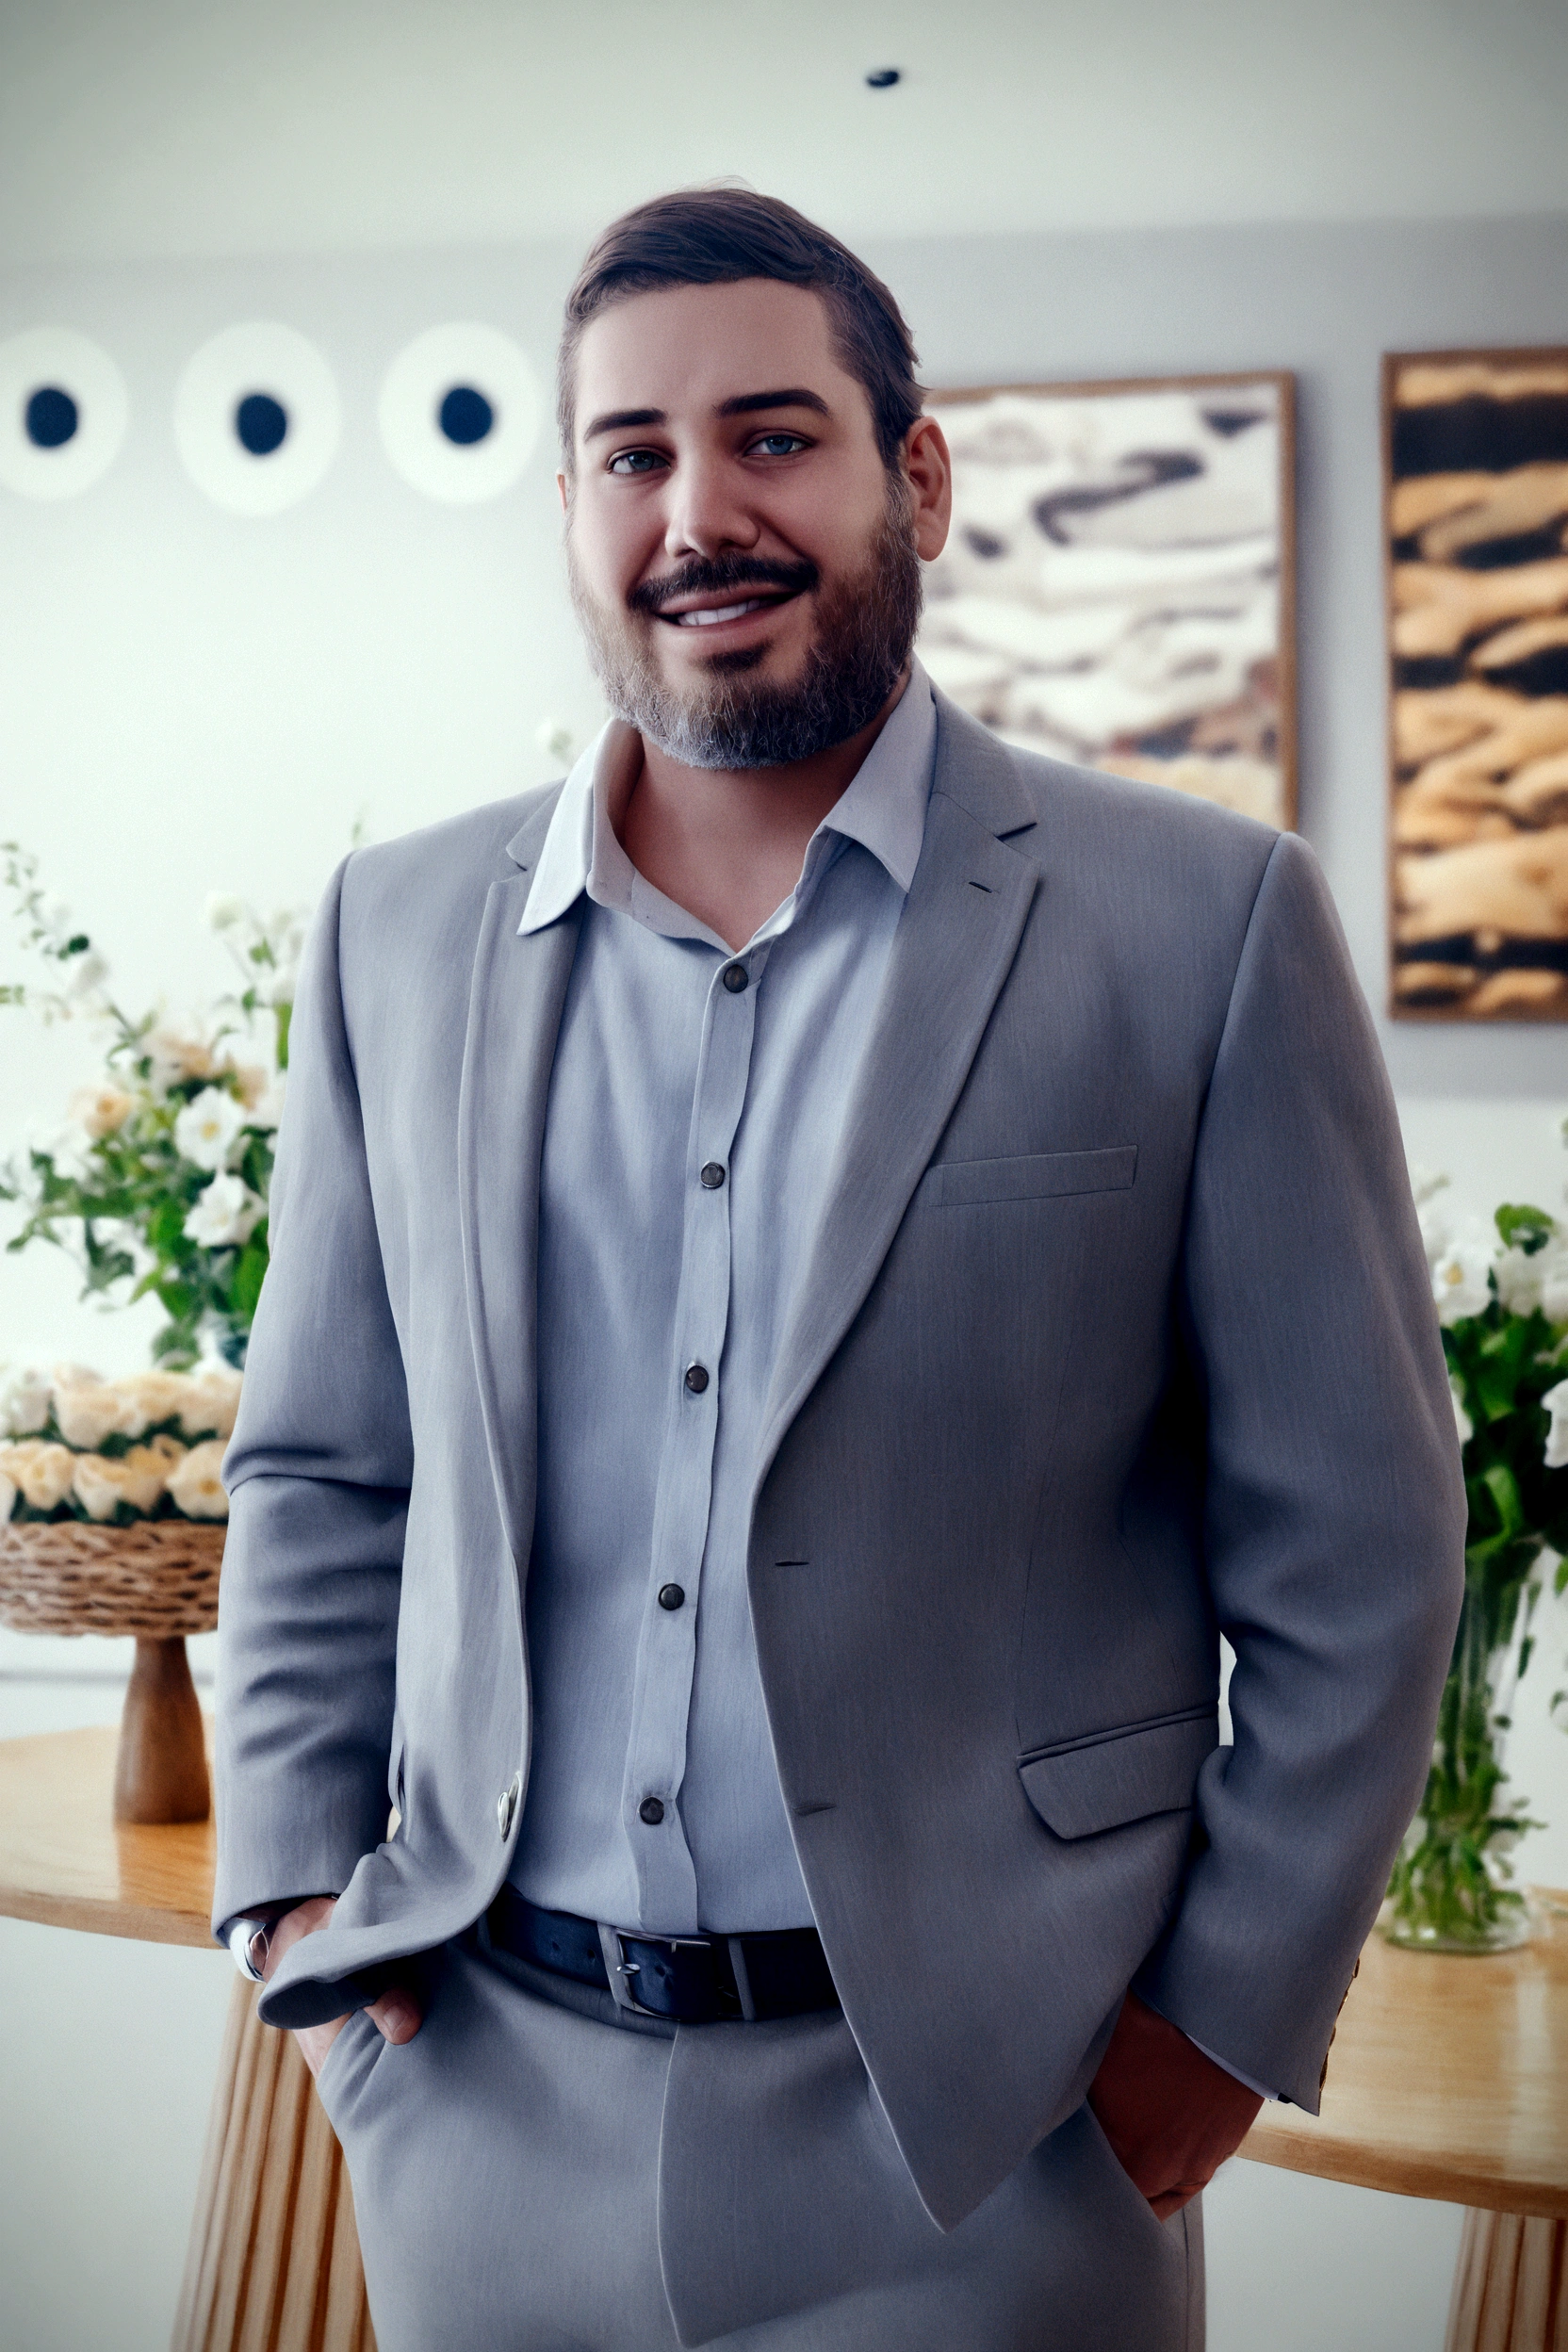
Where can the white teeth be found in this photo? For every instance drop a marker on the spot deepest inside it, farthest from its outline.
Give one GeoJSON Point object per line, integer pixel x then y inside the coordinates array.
{"type": "Point", "coordinates": [710, 616]}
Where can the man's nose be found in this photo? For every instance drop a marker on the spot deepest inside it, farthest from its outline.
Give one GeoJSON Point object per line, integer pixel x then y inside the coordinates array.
{"type": "Point", "coordinates": [707, 511]}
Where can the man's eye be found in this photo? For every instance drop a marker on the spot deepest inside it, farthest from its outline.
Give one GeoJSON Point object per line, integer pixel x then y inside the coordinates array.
{"type": "Point", "coordinates": [635, 462]}
{"type": "Point", "coordinates": [778, 445]}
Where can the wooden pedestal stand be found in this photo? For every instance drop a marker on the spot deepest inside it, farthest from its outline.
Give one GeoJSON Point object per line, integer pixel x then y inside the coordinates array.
{"type": "Point", "coordinates": [156, 1579]}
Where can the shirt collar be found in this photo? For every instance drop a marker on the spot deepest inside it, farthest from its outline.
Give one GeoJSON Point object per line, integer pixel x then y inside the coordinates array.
{"type": "Point", "coordinates": [883, 807]}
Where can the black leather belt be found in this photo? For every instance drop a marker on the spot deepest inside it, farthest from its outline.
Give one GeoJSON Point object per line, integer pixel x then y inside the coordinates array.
{"type": "Point", "coordinates": [690, 1980]}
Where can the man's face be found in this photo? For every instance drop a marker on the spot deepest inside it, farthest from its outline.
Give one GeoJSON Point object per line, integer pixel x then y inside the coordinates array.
{"type": "Point", "coordinates": [742, 561]}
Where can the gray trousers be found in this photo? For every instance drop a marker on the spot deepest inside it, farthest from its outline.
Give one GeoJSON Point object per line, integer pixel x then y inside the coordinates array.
{"type": "Point", "coordinates": [534, 2174]}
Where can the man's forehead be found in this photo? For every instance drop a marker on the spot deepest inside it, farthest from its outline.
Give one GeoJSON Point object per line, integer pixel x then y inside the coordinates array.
{"type": "Point", "coordinates": [697, 350]}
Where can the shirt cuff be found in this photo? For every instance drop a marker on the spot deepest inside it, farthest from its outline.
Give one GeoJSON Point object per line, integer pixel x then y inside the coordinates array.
{"type": "Point", "coordinates": [1259, 2090]}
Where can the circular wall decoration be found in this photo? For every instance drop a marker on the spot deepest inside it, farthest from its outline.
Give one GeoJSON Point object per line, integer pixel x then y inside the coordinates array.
{"type": "Point", "coordinates": [460, 413]}
{"type": "Point", "coordinates": [62, 413]}
{"type": "Point", "coordinates": [257, 418]}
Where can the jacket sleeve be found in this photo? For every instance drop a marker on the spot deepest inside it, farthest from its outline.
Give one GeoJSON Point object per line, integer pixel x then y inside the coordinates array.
{"type": "Point", "coordinates": [1335, 1514]}
{"type": "Point", "coordinates": [319, 1474]}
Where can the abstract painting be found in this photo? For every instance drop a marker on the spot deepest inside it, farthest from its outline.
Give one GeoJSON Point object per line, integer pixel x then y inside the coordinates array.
{"type": "Point", "coordinates": [1116, 589]}
{"type": "Point", "coordinates": [1476, 448]}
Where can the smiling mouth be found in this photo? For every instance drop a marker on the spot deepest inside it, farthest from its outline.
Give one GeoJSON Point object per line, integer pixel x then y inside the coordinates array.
{"type": "Point", "coordinates": [714, 615]}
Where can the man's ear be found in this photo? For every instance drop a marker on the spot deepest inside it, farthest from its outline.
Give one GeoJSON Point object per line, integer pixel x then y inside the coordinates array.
{"type": "Point", "coordinates": [565, 488]}
{"type": "Point", "coordinates": [927, 466]}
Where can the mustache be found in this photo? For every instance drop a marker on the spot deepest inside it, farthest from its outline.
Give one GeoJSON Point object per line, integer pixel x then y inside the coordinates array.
{"type": "Point", "coordinates": [716, 575]}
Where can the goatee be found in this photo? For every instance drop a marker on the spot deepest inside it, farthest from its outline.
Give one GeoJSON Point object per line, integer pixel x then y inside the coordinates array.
{"type": "Point", "coordinates": [865, 627]}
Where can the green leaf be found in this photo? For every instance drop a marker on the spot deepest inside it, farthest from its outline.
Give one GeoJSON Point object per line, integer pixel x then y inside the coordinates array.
{"type": "Point", "coordinates": [1525, 1228]}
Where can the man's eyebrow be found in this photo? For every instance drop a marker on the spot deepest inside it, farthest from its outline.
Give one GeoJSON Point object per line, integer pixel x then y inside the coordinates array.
{"type": "Point", "coordinates": [747, 404]}
{"type": "Point", "coordinates": [621, 419]}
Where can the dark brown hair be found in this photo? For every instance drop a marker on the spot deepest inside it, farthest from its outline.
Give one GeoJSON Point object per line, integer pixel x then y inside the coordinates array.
{"type": "Point", "coordinates": [718, 236]}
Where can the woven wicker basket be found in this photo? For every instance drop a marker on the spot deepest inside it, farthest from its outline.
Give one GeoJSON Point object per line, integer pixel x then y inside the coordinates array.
{"type": "Point", "coordinates": [158, 1579]}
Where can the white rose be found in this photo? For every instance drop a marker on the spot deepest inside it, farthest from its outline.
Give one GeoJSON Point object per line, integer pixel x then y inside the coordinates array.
{"type": "Point", "coordinates": [227, 1212]}
{"type": "Point", "coordinates": [224, 911]}
{"type": "Point", "coordinates": [101, 1110]}
{"type": "Point", "coordinates": [195, 1486]}
{"type": "Point", "coordinates": [1436, 1231]}
{"type": "Point", "coordinates": [88, 1410]}
{"type": "Point", "coordinates": [265, 1112]}
{"type": "Point", "coordinates": [1556, 1403]}
{"type": "Point", "coordinates": [1462, 1422]}
{"type": "Point", "coordinates": [205, 1129]}
{"type": "Point", "coordinates": [1554, 1286]}
{"type": "Point", "coordinates": [1459, 1282]}
{"type": "Point", "coordinates": [41, 1469]}
{"type": "Point", "coordinates": [211, 1400]}
{"type": "Point", "coordinates": [24, 1404]}
{"type": "Point", "coordinates": [8, 1498]}
{"type": "Point", "coordinates": [138, 1479]}
{"type": "Point", "coordinates": [1519, 1280]}
{"type": "Point", "coordinates": [150, 1398]}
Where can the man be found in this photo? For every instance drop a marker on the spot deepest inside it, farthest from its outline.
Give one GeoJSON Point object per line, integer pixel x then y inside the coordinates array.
{"type": "Point", "coordinates": [817, 1266]}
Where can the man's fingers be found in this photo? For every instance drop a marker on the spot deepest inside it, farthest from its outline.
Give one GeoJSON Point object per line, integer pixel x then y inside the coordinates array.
{"type": "Point", "coordinates": [396, 2014]}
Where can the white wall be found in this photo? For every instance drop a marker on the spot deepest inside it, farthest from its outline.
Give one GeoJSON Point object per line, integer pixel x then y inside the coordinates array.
{"type": "Point", "coordinates": [190, 702]}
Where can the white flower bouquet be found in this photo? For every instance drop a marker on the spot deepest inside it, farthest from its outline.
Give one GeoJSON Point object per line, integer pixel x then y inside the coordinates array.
{"type": "Point", "coordinates": [73, 1446]}
{"type": "Point", "coordinates": [1502, 1300]}
{"type": "Point", "coordinates": [158, 1182]}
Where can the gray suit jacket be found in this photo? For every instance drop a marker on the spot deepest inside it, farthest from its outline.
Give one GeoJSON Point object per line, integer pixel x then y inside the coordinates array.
{"type": "Point", "coordinates": [1118, 1335]}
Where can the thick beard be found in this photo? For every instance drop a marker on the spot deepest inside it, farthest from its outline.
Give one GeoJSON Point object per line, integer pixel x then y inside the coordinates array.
{"type": "Point", "coordinates": [865, 629]}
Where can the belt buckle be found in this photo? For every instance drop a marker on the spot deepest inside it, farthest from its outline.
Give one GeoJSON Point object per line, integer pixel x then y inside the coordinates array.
{"type": "Point", "coordinates": [620, 1971]}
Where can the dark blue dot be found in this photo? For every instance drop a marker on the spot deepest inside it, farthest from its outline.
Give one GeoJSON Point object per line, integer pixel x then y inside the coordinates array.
{"type": "Point", "coordinates": [885, 77]}
{"type": "Point", "coordinates": [261, 423]}
{"type": "Point", "coordinates": [466, 416]}
{"type": "Point", "coordinates": [51, 416]}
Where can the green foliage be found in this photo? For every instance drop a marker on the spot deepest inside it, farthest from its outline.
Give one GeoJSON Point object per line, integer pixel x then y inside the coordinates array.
{"type": "Point", "coordinates": [146, 1204]}
{"type": "Point", "coordinates": [1448, 1883]}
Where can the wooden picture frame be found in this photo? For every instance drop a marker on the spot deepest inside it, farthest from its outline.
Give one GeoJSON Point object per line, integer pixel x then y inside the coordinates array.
{"type": "Point", "coordinates": [1476, 572]}
{"type": "Point", "coordinates": [1118, 588]}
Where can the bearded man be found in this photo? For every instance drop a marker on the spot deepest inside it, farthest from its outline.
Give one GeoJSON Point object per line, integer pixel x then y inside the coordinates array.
{"type": "Point", "coordinates": [817, 1266]}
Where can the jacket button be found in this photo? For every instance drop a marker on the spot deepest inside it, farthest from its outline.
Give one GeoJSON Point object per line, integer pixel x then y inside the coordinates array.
{"type": "Point", "coordinates": [506, 1806]}
{"type": "Point", "coordinates": [696, 1378]}
{"type": "Point", "coordinates": [711, 1175]}
{"type": "Point", "coordinates": [671, 1596]}
{"type": "Point", "coordinates": [651, 1811]}
{"type": "Point", "coordinates": [735, 977]}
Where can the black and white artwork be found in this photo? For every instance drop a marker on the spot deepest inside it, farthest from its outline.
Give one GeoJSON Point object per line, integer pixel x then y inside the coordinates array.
{"type": "Point", "coordinates": [1477, 545]}
{"type": "Point", "coordinates": [1116, 588]}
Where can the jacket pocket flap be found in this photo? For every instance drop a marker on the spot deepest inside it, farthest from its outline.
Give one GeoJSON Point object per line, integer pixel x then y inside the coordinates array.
{"type": "Point", "coordinates": [1035, 1176]}
{"type": "Point", "coordinates": [1119, 1776]}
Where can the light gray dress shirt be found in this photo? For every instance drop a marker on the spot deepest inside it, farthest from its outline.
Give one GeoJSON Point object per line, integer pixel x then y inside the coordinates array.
{"type": "Point", "coordinates": [695, 1102]}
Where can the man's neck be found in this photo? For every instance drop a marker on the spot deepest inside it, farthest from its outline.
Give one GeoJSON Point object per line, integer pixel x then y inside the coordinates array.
{"type": "Point", "coordinates": [727, 843]}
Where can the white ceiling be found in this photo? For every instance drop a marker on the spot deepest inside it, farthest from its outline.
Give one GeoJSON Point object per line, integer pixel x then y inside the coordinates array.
{"type": "Point", "coordinates": [137, 128]}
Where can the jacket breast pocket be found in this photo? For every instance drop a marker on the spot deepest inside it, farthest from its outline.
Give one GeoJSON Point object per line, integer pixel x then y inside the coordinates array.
{"type": "Point", "coordinates": [1113, 1777]}
{"type": "Point", "coordinates": [1032, 1176]}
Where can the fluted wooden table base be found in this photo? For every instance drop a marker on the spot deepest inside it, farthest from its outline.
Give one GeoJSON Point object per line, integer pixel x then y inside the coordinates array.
{"type": "Point", "coordinates": [274, 2263]}
{"type": "Point", "coordinates": [1510, 2289]}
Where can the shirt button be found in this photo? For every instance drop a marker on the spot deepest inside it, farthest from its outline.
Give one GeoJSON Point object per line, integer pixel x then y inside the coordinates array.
{"type": "Point", "coordinates": [651, 1811]}
{"type": "Point", "coordinates": [696, 1378]}
{"type": "Point", "coordinates": [711, 1176]}
{"type": "Point", "coordinates": [672, 1596]}
{"type": "Point", "coordinates": [735, 977]}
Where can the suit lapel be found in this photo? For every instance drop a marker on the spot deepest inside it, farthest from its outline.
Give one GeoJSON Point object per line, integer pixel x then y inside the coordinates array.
{"type": "Point", "coordinates": [951, 951]}
{"type": "Point", "coordinates": [515, 1006]}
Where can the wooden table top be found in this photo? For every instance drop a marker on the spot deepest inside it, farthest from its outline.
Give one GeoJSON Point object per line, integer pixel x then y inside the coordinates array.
{"type": "Point", "coordinates": [1448, 2077]}
{"type": "Point", "coordinates": [63, 1860]}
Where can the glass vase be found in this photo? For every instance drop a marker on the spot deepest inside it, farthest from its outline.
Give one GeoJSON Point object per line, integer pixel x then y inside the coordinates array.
{"type": "Point", "coordinates": [1449, 1890]}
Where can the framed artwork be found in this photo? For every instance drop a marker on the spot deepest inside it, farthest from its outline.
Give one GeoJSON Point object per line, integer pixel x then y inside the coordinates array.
{"type": "Point", "coordinates": [1117, 587]}
{"type": "Point", "coordinates": [1477, 533]}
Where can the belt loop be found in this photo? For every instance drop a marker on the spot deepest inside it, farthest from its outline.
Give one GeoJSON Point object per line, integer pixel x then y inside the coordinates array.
{"type": "Point", "coordinates": [737, 1948]}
